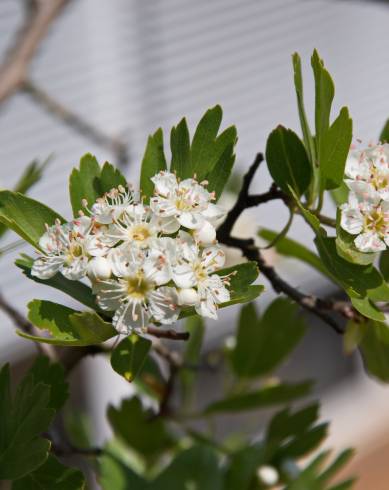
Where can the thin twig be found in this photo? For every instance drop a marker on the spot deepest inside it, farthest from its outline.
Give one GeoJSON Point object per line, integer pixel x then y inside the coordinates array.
{"type": "Point", "coordinates": [77, 122]}
{"type": "Point", "coordinates": [13, 71]}
{"type": "Point", "coordinates": [167, 334]}
{"type": "Point", "coordinates": [317, 306]}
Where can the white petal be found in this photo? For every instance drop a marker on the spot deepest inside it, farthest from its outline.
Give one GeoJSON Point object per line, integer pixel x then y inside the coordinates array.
{"type": "Point", "coordinates": [76, 269]}
{"type": "Point", "coordinates": [364, 191]}
{"type": "Point", "coordinates": [94, 246]}
{"type": "Point", "coordinates": [165, 183]}
{"type": "Point", "coordinates": [206, 235]}
{"type": "Point", "coordinates": [213, 212]}
{"type": "Point", "coordinates": [183, 276]}
{"type": "Point", "coordinates": [351, 219]}
{"type": "Point", "coordinates": [168, 225]}
{"type": "Point", "coordinates": [207, 308]}
{"type": "Point", "coordinates": [129, 316]}
{"type": "Point", "coordinates": [213, 258]}
{"type": "Point", "coordinates": [108, 294]}
{"type": "Point", "coordinates": [156, 269]}
{"type": "Point", "coordinates": [191, 220]}
{"type": "Point", "coordinates": [369, 242]}
{"type": "Point", "coordinates": [357, 166]}
{"type": "Point", "coordinates": [163, 207]}
{"type": "Point", "coordinates": [163, 305]}
{"type": "Point", "coordinates": [46, 267]}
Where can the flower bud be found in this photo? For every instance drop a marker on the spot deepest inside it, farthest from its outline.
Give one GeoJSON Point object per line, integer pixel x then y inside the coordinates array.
{"type": "Point", "coordinates": [188, 296]}
{"type": "Point", "coordinates": [206, 235]}
{"type": "Point", "coordinates": [98, 269]}
{"type": "Point", "coordinates": [268, 475]}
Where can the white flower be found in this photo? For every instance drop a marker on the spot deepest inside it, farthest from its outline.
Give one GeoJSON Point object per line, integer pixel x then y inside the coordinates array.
{"type": "Point", "coordinates": [369, 220]}
{"type": "Point", "coordinates": [65, 249]}
{"type": "Point", "coordinates": [368, 172]}
{"type": "Point", "coordinates": [187, 201]}
{"type": "Point", "coordinates": [195, 270]}
{"type": "Point", "coordinates": [138, 293]}
{"type": "Point", "coordinates": [112, 205]}
{"type": "Point", "coordinates": [139, 226]}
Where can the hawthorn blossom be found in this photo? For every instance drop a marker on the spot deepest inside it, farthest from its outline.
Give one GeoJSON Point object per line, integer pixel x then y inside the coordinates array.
{"type": "Point", "coordinates": [112, 205]}
{"type": "Point", "coordinates": [138, 294]}
{"type": "Point", "coordinates": [188, 202]}
{"type": "Point", "coordinates": [139, 226]}
{"type": "Point", "coordinates": [194, 275]}
{"type": "Point", "coordinates": [367, 171]}
{"type": "Point", "coordinates": [369, 220]}
{"type": "Point", "coordinates": [66, 248]}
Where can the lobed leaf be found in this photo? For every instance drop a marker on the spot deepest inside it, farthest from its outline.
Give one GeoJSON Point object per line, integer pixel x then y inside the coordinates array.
{"type": "Point", "coordinates": [67, 327]}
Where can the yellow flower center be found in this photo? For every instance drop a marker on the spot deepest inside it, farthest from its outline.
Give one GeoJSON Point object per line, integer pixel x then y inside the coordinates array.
{"type": "Point", "coordinates": [139, 233]}
{"type": "Point", "coordinates": [138, 286]}
{"type": "Point", "coordinates": [375, 221]}
{"type": "Point", "coordinates": [200, 272]}
{"type": "Point", "coordinates": [75, 251]}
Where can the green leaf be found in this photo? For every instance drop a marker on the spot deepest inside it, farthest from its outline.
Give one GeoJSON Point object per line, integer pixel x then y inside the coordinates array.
{"type": "Point", "coordinates": [66, 326]}
{"type": "Point", "coordinates": [384, 264]}
{"type": "Point", "coordinates": [110, 178]}
{"type": "Point", "coordinates": [22, 420]}
{"type": "Point", "coordinates": [290, 248]}
{"type": "Point", "coordinates": [287, 160]}
{"type": "Point", "coordinates": [116, 475]}
{"type": "Point", "coordinates": [298, 83]}
{"type": "Point", "coordinates": [324, 94]}
{"type": "Point", "coordinates": [243, 466]}
{"type": "Point", "coordinates": [84, 183]}
{"type": "Point", "coordinates": [353, 336]}
{"type": "Point", "coordinates": [52, 475]}
{"type": "Point", "coordinates": [75, 289]}
{"type": "Point", "coordinates": [202, 148]}
{"type": "Point", "coordinates": [197, 467]}
{"type": "Point", "coordinates": [374, 348]}
{"type": "Point", "coordinates": [25, 216]}
{"type": "Point", "coordinates": [285, 424]}
{"type": "Point", "coordinates": [153, 162]}
{"type": "Point", "coordinates": [264, 397]}
{"type": "Point", "coordinates": [30, 176]}
{"type": "Point", "coordinates": [128, 357]}
{"type": "Point", "coordinates": [139, 428]}
{"type": "Point", "coordinates": [90, 181]}
{"type": "Point", "coordinates": [191, 357]}
{"type": "Point", "coordinates": [366, 307]}
{"type": "Point", "coordinates": [180, 148]}
{"type": "Point", "coordinates": [384, 136]}
{"type": "Point", "coordinates": [313, 478]}
{"type": "Point", "coordinates": [51, 374]}
{"type": "Point", "coordinates": [262, 344]}
{"type": "Point", "coordinates": [334, 148]}
{"type": "Point", "coordinates": [340, 194]}
{"type": "Point", "coordinates": [218, 177]}
{"type": "Point", "coordinates": [242, 275]}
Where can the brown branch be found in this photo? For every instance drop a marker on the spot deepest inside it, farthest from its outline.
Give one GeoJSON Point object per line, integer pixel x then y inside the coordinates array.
{"type": "Point", "coordinates": [167, 334]}
{"type": "Point", "coordinates": [317, 306]}
{"type": "Point", "coordinates": [13, 72]}
{"type": "Point", "coordinates": [77, 122]}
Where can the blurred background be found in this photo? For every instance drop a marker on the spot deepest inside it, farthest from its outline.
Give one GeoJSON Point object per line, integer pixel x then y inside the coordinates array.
{"type": "Point", "coordinates": [108, 73]}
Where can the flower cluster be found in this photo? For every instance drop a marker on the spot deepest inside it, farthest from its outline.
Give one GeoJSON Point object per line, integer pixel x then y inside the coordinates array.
{"type": "Point", "coordinates": [366, 214]}
{"type": "Point", "coordinates": [145, 262]}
